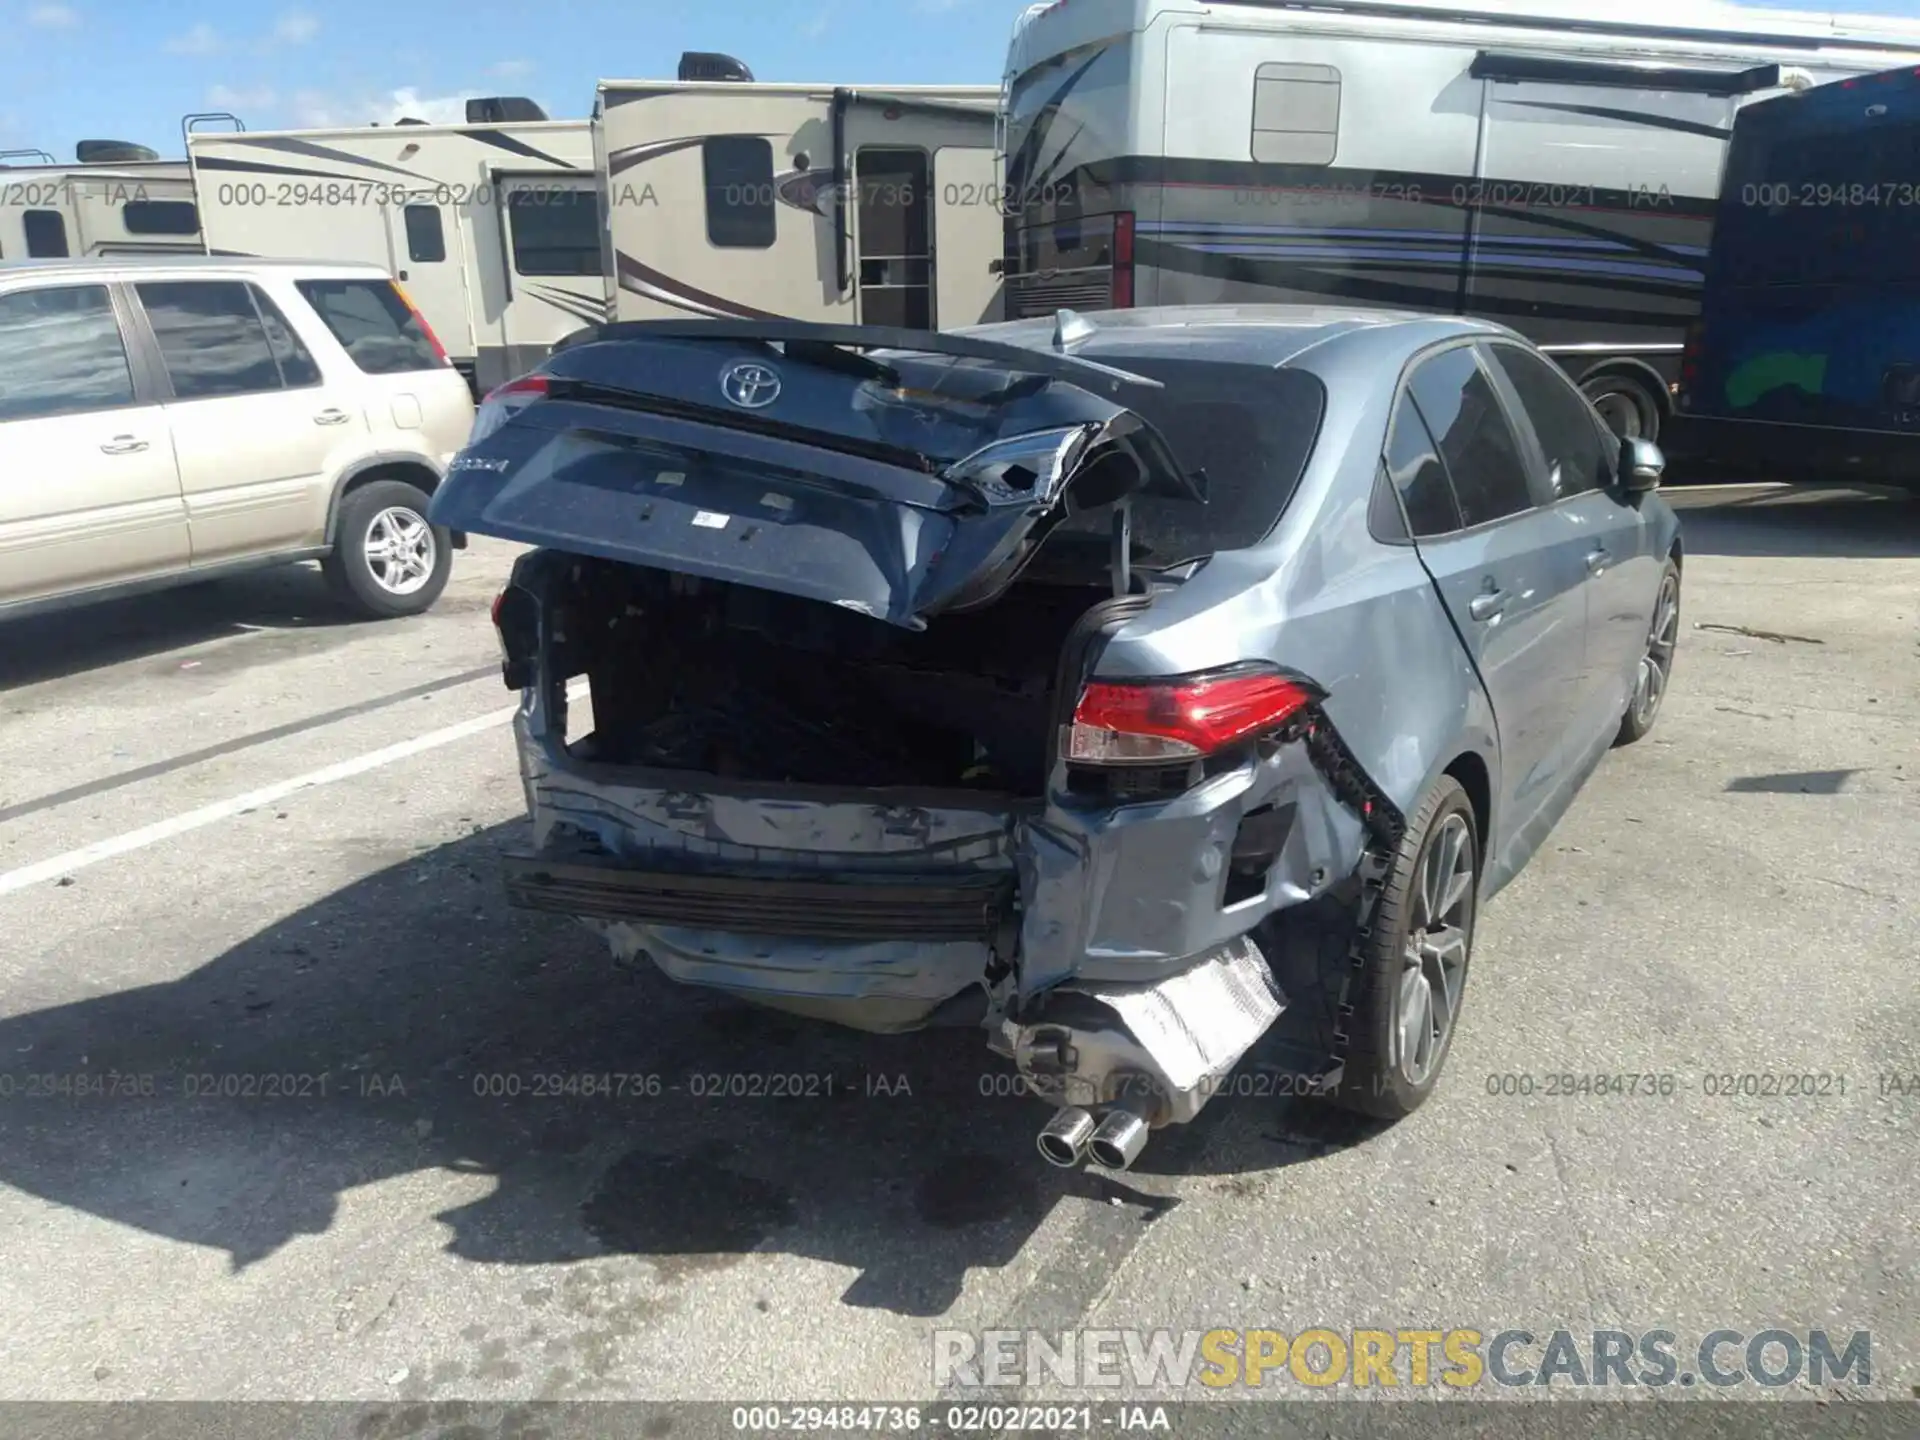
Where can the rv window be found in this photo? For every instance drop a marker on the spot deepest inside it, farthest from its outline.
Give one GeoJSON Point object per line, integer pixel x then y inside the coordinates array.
{"type": "Point", "coordinates": [373, 325]}
{"type": "Point", "coordinates": [555, 231]}
{"type": "Point", "coordinates": [426, 242]}
{"type": "Point", "coordinates": [46, 234]}
{"type": "Point", "coordinates": [60, 352]}
{"type": "Point", "coordinates": [1462, 410]}
{"type": "Point", "coordinates": [296, 362]}
{"type": "Point", "coordinates": [1296, 114]}
{"type": "Point", "coordinates": [739, 179]}
{"type": "Point", "coordinates": [210, 337]}
{"type": "Point", "coordinates": [160, 217]}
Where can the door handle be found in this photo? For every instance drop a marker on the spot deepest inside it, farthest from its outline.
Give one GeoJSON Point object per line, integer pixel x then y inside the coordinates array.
{"type": "Point", "coordinates": [1597, 560]}
{"type": "Point", "coordinates": [1488, 605]}
{"type": "Point", "coordinates": [331, 417]}
{"type": "Point", "coordinates": [123, 445]}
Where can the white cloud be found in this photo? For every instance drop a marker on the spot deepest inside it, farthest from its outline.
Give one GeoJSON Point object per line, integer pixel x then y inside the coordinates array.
{"type": "Point", "coordinates": [510, 69]}
{"type": "Point", "coordinates": [319, 109]}
{"type": "Point", "coordinates": [296, 27]}
{"type": "Point", "coordinates": [202, 39]}
{"type": "Point", "coordinates": [53, 17]}
{"type": "Point", "coordinates": [817, 25]}
{"type": "Point", "coordinates": [237, 99]}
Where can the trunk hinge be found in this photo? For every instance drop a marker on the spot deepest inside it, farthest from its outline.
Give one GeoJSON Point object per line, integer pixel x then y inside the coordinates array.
{"type": "Point", "coordinates": [1120, 558]}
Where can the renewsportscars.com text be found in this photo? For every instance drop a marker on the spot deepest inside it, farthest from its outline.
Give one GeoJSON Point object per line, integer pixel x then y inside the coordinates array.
{"type": "Point", "coordinates": [1458, 1358]}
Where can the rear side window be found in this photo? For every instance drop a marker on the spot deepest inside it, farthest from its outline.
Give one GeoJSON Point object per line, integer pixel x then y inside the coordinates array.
{"type": "Point", "coordinates": [1462, 410]}
{"type": "Point", "coordinates": [373, 325]}
{"type": "Point", "coordinates": [426, 241]}
{"type": "Point", "coordinates": [1251, 428]}
{"type": "Point", "coordinates": [1568, 430]}
{"type": "Point", "coordinates": [739, 180]}
{"type": "Point", "coordinates": [160, 217]}
{"type": "Point", "coordinates": [61, 353]}
{"type": "Point", "coordinates": [554, 231]}
{"type": "Point", "coordinates": [46, 234]}
{"type": "Point", "coordinates": [297, 367]}
{"type": "Point", "coordinates": [211, 337]}
{"type": "Point", "coordinates": [1414, 467]}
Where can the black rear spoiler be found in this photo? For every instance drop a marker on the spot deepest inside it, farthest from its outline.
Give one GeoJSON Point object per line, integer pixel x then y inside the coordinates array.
{"type": "Point", "coordinates": [1020, 359]}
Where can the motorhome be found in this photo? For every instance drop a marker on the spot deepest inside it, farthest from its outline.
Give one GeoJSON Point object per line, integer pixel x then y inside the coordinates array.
{"type": "Point", "coordinates": [1548, 164]}
{"type": "Point", "coordinates": [115, 199]}
{"type": "Point", "coordinates": [726, 196]}
{"type": "Point", "coordinates": [490, 226]}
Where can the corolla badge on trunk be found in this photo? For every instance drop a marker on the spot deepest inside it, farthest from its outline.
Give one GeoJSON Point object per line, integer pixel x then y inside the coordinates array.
{"type": "Point", "coordinates": [750, 385]}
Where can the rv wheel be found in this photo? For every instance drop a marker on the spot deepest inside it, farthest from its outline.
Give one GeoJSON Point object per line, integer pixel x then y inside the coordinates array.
{"type": "Point", "coordinates": [1626, 404]}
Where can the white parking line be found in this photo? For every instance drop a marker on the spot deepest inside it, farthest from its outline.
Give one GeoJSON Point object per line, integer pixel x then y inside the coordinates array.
{"type": "Point", "coordinates": [61, 865]}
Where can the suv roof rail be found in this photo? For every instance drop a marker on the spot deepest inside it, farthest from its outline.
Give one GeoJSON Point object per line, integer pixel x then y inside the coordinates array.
{"type": "Point", "coordinates": [1021, 359]}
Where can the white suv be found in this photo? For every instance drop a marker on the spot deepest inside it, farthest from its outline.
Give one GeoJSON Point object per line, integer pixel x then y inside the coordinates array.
{"type": "Point", "coordinates": [170, 419]}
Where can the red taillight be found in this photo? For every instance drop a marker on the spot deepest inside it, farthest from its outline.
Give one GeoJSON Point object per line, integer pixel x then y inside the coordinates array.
{"type": "Point", "coordinates": [425, 328]}
{"type": "Point", "coordinates": [527, 387]}
{"type": "Point", "coordinates": [503, 402]}
{"type": "Point", "coordinates": [1122, 298]}
{"type": "Point", "coordinates": [1157, 721]}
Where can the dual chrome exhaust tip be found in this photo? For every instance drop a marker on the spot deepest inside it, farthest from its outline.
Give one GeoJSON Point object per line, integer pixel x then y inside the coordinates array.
{"type": "Point", "coordinates": [1114, 1143]}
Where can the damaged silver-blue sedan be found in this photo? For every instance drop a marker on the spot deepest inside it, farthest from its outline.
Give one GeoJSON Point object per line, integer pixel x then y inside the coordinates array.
{"type": "Point", "coordinates": [1062, 678]}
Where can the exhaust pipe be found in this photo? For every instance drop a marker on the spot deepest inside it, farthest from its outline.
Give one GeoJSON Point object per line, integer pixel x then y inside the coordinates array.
{"type": "Point", "coordinates": [1064, 1140]}
{"type": "Point", "coordinates": [1119, 1140]}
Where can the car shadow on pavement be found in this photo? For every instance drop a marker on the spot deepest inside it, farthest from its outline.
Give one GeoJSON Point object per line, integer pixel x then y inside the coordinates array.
{"type": "Point", "coordinates": [1806, 520]}
{"type": "Point", "coordinates": [414, 1021]}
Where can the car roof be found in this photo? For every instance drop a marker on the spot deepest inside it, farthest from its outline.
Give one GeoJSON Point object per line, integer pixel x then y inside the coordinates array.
{"type": "Point", "coordinates": [111, 267]}
{"type": "Point", "coordinates": [1247, 334]}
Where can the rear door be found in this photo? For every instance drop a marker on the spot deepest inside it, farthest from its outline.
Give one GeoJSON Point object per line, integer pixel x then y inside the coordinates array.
{"type": "Point", "coordinates": [1610, 531]}
{"type": "Point", "coordinates": [89, 495]}
{"type": "Point", "coordinates": [258, 432]}
{"type": "Point", "coordinates": [1501, 562]}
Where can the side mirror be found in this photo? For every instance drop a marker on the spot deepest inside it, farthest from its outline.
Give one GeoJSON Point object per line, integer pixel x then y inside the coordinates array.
{"type": "Point", "coordinates": [1641, 465]}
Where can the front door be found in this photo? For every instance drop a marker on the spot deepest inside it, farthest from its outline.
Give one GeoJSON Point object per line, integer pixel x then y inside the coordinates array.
{"type": "Point", "coordinates": [430, 261]}
{"type": "Point", "coordinates": [89, 495]}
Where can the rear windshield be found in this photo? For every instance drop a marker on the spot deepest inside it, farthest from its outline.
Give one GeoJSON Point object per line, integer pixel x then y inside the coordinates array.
{"type": "Point", "coordinates": [373, 325]}
{"type": "Point", "coordinates": [1251, 428]}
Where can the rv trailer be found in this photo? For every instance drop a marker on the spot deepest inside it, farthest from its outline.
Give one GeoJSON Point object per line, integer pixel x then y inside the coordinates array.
{"type": "Point", "coordinates": [491, 226]}
{"type": "Point", "coordinates": [115, 199]}
{"type": "Point", "coordinates": [729, 197]}
{"type": "Point", "coordinates": [1548, 164]}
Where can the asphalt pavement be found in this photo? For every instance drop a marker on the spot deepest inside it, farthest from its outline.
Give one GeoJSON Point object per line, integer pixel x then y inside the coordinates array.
{"type": "Point", "coordinates": [291, 1107]}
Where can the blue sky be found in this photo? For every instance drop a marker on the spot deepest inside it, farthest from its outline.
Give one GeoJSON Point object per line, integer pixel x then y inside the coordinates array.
{"type": "Point", "coordinates": [122, 70]}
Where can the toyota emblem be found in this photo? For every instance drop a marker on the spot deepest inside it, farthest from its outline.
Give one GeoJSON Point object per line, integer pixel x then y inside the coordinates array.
{"type": "Point", "coordinates": [750, 385]}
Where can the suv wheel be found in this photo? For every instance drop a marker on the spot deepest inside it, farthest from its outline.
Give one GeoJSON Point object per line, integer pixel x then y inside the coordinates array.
{"type": "Point", "coordinates": [1417, 960]}
{"type": "Point", "coordinates": [387, 559]}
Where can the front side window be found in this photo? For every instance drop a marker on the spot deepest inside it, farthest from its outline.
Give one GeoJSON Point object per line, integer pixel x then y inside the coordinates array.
{"type": "Point", "coordinates": [739, 180]}
{"type": "Point", "coordinates": [380, 334]}
{"type": "Point", "coordinates": [1566, 425]}
{"type": "Point", "coordinates": [211, 338]}
{"type": "Point", "coordinates": [554, 231]}
{"type": "Point", "coordinates": [61, 353]}
{"type": "Point", "coordinates": [1456, 398]}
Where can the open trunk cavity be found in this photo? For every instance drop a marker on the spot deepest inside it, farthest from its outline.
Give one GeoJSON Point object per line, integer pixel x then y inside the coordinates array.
{"type": "Point", "coordinates": [737, 682]}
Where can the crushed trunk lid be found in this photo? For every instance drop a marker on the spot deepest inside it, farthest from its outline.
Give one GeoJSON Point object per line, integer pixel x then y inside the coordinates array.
{"type": "Point", "coordinates": [895, 473]}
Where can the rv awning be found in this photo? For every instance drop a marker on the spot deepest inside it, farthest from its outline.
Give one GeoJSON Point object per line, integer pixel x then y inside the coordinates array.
{"type": "Point", "coordinates": [1560, 70]}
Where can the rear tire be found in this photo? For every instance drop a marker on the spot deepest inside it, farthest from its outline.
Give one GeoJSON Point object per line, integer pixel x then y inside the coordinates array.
{"type": "Point", "coordinates": [387, 560]}
{"type": "Point", "coordinates": [1417, 960]}
{"type": "Point", "coordinates": [1627, 405]}
{"type": "Point", "coordinates": [1656, 665]}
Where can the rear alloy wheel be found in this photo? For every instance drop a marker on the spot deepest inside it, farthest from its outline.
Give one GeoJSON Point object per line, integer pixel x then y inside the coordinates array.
{"type": "Point", "coordinates": [1416, 970]}
{"type": "Point", "coordinates": [387, 559]}
{"type": "Point", "coordinates": [1627, 406]}
{"type": "Point", "coordinates": [1656, 665]}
